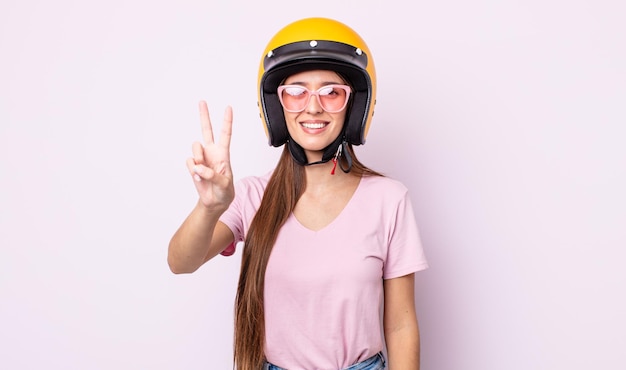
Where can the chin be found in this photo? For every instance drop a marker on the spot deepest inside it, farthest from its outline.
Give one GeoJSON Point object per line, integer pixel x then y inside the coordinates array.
{"type": "Point", "coordinates": [315, 147]}
{"type": "Point", "coordinates": [312, 144]}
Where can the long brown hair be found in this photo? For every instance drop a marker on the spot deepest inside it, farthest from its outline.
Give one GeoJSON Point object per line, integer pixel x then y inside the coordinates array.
{"type": "Point", "coordinates": [286, 185]}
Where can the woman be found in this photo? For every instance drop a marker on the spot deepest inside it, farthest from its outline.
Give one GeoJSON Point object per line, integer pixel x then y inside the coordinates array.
{"type": "Point", "coordinates": [328, 242]}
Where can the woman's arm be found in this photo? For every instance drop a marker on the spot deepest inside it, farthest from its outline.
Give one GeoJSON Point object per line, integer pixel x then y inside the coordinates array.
{"type": "Point", "coordinates": [202, 236]}
{"type": "Point", "coordinates": [400, 323]}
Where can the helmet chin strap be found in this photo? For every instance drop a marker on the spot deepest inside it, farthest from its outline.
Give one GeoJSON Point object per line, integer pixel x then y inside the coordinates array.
{"type": "Point", "coordinates": [334, 152]}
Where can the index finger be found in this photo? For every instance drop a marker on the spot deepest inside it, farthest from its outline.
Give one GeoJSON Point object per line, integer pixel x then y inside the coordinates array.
{"type": "Point", "coordinates": [205, 123]}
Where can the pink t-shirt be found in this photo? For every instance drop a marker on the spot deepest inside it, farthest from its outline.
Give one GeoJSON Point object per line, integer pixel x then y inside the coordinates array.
{"type": "Point", "coordinates": [324, 289]}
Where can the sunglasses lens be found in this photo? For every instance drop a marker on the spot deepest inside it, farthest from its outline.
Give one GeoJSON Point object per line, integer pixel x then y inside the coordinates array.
{"type": "Point", "coordinates": [294, 98]}
{"type": "Point", "coordinates": [332, 98]}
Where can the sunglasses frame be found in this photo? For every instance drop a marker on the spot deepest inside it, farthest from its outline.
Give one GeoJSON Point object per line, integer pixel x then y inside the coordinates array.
{"type": "Point", "coordinates": [311, 93]}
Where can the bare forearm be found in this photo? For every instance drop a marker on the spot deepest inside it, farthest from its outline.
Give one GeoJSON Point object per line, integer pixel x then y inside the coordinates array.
{"type": "Point", "coordinates": [190, 246]}
{"type": "Point", "coordinates": [400, 322]}
{"type": "Point", "coordinates": [403, 348]}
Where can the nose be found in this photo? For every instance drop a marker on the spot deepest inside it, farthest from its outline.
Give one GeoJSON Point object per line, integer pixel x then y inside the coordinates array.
{"type": "Point", "coordinates": [314, 106]}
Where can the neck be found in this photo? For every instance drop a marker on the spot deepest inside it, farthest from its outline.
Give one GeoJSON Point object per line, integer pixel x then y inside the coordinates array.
{"type": "Point", "coordinates": [319, 176]}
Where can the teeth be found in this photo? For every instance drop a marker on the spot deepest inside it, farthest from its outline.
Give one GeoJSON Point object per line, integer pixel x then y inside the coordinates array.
{"type": "Point", "coordinates": [314, 125]}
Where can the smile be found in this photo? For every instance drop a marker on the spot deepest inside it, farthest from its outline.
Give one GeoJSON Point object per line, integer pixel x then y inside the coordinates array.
{"type": "Point", "coordinates": [314, 125]}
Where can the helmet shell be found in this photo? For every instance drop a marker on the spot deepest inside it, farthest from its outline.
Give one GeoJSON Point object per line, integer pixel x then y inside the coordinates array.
{"type": "Point", "coordinates": [317, 43]}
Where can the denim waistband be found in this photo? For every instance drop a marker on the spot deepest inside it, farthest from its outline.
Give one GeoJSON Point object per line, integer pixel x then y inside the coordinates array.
{"type": "Point", "coordinates": [376, 362]}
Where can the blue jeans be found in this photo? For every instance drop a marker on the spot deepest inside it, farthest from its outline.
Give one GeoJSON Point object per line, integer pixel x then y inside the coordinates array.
{"type": "Point", "coordinates": [376, 362]}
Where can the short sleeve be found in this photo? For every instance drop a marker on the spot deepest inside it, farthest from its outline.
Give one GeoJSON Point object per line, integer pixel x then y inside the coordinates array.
{"type": "Point", "coordinates": [405, 254]}
{"type": "Point", "coordinates": [248, 195]}
{"type": "Point", "coordinates": [233, 215]}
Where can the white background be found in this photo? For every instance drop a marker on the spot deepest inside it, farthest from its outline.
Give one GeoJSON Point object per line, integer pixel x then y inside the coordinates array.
{"type": "Point", "coordinates": [505, 119]}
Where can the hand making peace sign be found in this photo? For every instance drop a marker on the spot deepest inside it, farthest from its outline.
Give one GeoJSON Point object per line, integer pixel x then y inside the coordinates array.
{"type": "Point", "coordinates": [210, 164]}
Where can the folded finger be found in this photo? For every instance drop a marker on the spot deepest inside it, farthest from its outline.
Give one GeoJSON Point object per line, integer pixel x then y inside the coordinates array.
{"type": "Point", "coordinates": [198, 153]}
{"type": "Point", "coordinates": [194, 169]}
{"type": "Point", "coordinates": [200, 172]}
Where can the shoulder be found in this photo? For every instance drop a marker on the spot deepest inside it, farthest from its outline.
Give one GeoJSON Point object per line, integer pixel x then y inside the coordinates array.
{"type": "Point", "coordinates": [250, 189]}
{"type": "Point", "coordinates": [383, 193]}
{"type": "Point", "coordinates": [254, 182]}
{"type": "Point", "coordinates": [384, 186]}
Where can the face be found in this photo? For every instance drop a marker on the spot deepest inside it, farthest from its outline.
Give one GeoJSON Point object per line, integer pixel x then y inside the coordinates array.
{"type": "Point", "coordinates": [314, 128]}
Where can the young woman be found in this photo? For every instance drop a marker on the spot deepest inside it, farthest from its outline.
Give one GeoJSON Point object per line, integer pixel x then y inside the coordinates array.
{"type": "Point", "coordinates": [329, 244]}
